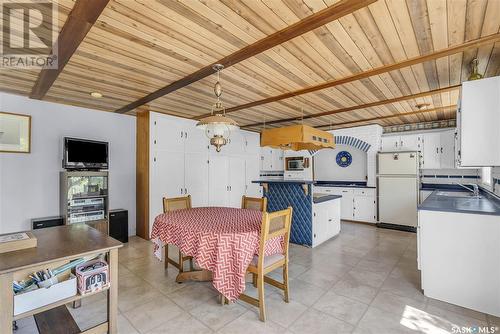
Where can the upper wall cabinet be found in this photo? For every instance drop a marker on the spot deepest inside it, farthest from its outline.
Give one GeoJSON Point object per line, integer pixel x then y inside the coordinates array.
{"type": "Point", "coordinates": [411, 142]}
{"type": "Point", "coordinates": [271, 159]}
{"type": "Point", "coordinates": [478, 123]}
{"type": "Point", "coordinates": [439, 150]}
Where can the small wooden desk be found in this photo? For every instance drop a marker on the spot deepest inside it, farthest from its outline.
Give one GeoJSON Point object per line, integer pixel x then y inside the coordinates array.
{"type": "Point", "coordinates": [57, 246]}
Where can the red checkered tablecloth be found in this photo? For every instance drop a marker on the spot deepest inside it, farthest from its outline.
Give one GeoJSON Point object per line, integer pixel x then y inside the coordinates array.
{"type": "Point", "coordinates": [222, 240]}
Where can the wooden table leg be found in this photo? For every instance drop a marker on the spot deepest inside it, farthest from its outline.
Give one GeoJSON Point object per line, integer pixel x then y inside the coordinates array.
{"type": "Point", "coordinates": [6, 303]}
{"type": "Point", "coordinates": [195, 275]}
{"type": "Point", "coordinates": [113, 291]}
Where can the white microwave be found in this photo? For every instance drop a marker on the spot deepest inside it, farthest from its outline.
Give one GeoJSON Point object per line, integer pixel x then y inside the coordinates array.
{"type": "Point", "coordinates": [296, 163]}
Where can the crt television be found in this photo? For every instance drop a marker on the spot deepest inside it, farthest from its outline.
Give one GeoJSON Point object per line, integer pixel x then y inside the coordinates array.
{"type": "Point", "coordinates": [85, 154]}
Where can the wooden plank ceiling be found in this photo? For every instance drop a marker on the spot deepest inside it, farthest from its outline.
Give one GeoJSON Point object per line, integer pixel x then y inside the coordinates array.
{"type": "Point", "coordinates": [139, 46]}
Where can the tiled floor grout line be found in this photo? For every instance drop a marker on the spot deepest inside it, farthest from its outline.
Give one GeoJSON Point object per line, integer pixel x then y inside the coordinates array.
{"type": "Point", "coordinates": [388, 252]}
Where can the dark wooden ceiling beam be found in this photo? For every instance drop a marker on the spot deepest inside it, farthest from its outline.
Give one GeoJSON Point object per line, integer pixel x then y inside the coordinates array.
{"type": "Point", "coordinates": [311, 22]}
{"type": "Point", "coordinates": [357, 107]}
{"type": "Point", "coordinates": [418, 112]}
{"type": "Point", "coordinates": [376, 71]}
{"type": "Point", "coordinates": [81, 18]}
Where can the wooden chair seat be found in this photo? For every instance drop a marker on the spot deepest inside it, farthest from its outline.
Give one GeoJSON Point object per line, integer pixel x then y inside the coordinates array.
{"type": "Point", "coordinates": [271, 260]}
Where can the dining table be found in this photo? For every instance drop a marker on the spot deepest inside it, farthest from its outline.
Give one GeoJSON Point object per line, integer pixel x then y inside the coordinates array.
{"type": "Point", "coordinates": [221, 240]}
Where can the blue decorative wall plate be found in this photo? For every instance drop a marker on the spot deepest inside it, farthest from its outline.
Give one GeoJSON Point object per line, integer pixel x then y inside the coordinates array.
{"type": "Point", "coordinates": [343, 159]}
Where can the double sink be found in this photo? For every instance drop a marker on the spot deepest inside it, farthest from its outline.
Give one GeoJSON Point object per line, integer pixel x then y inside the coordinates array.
{"type": "Point", "coordinates": [462, 194]}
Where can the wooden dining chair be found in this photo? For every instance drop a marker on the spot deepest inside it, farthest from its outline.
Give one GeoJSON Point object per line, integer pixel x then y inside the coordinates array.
{"type": "Point", "coordinates": [274, 225]}
{"type": "Point", "coordinates": [254, 203]}
{"type": "Point", "coordinates": [172, 204]}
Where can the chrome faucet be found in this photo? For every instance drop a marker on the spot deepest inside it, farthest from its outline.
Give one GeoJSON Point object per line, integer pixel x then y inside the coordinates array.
{"type": "Point", "coordinates": [475, 188]}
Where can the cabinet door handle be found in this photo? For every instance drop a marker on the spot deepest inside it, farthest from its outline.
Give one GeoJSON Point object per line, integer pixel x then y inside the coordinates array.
{"type": "Point", "coordinates": [437, 149]}
{"type": "Point", "coordinates": [185, 191]}
{"type": "Point", "coordinates": [441, 150]}
{"type": "Point", "coordinates": [181, 134]}
{"type": "Point", "coordinates": [401, 143]}
{"type": "Point", "coordinates": [181, 191]}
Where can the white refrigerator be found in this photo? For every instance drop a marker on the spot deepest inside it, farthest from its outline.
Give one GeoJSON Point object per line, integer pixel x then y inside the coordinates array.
{"type": "Point", "coordinates": [398, 187]}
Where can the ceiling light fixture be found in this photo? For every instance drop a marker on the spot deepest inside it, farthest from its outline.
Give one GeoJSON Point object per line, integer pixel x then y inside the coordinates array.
{"type": "Point", "coordinates": [97, 95]}
{"type": "Point", "coordinates": [422, 106]}
{"type": "Point", "coordinates": [474, 71]}
{"type": "Point", "coordinates": [217, 126]}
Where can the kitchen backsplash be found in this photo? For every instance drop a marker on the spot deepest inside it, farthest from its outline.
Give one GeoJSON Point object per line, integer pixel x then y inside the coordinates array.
{"type": "Point", "coordinates": [449, 176]}
{"type": "Point", "coordinates": [343, 163]}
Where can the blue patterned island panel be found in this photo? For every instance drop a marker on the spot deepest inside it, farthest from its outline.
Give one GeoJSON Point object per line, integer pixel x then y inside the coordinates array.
{"type": "Point", "coordinates": [282, 195]}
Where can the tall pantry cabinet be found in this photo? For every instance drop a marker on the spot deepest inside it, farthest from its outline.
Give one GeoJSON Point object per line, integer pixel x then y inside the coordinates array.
{"type": "Point", "coordinates": [174, 158]}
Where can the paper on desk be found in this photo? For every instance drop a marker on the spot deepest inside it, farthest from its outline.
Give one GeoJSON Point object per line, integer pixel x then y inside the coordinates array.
{"type": "Point", "coordinates": [14, 237]}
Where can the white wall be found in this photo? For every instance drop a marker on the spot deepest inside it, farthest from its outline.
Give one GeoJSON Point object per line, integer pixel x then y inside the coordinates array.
{"type": "Point", "coordinates": [327, 169]}
{"type": "Point", "coordinates": [370, 134]}
{"type": "Point", "coordinates": [29, 183]}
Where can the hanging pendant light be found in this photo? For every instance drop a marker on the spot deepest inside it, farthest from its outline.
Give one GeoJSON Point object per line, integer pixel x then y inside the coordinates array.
{"type": "Point", "coordinates": [217, 126]}
{"type": "Point", "coordinates": [475, 75]}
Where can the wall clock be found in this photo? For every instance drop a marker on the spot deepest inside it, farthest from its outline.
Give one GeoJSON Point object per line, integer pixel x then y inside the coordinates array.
{"type": "Point", "coordinates": [343, 159]}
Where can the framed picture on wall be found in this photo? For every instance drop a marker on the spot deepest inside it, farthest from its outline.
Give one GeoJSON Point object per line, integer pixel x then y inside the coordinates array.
{"type": "Point", "coordinates": [15, 133]}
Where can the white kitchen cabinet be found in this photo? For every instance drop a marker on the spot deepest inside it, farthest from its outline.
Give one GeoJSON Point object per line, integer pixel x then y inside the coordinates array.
{"type": "Point", "coordinates": [227, 182]}
{"type": "Point", "coordinates": [167, 175]}
{"type": "Point", "coordinates": [196, 177]}
{"type": "Point", "coordinates": [325, 221]}
{"type": "Point", "coordinates": [347, 203]}
{"type": "Point", "coordinates": [439, 150]}
{"type": "Point", "coordinates": [459, 257]}
{"type": "Point", "coordinates": [390, 143]}
{"type": "Point", "coordinates": [447, 149]}
{"type": "Point", "coordinates": [218, 194]}
{"type": "Point", "coordinates": [409, 142]}
{"type": "Point", "coordinates": [432, 145]}
{"type": "Point", "coordinates": [278, 164]}
{"type": "Point", "coordinates": [364, 208]}
{"type": "Point", "coordinates": [358, 204]}
{"type": "Point", "coordinates": [168, 135]}
{"type": "Point", "coordinates": [266, 156]}
{"type": "Point", "coordinates": [195, 139]}
{"type": "Point", "coordinates": [252, 140]}
{"type": "Point", "coordinates": [272, 159]}
{"type": "Point", "coordinates": [237, 181]}
{"type": "Point", "coordinates": [320, 216]}
{"type": "Point", "coordinates": [182, 162]}
{"type": "Point", "coordinates": [252, 165]}
{"type": "Point", "coordinates": [478, 121]}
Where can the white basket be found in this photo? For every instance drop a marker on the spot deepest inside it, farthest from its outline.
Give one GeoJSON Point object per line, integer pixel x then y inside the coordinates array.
{"type": "Point", "coordinates": [34, 299]}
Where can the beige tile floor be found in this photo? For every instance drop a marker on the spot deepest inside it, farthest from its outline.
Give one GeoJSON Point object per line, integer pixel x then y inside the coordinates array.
{"type": "Point", "coordinates": [363, 281]}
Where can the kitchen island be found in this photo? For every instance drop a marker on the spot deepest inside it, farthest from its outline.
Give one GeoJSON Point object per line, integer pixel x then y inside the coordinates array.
{"type": "Point", "coordinates": [316, 216]}
{"type": "Point", "coordinates": [458, 239]}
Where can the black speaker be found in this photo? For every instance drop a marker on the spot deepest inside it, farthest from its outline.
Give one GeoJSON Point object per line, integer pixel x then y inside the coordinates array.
{"type": "Point", "coordinates": [37, 223]}
{"type": "Point", "coordinates": [118, 224]}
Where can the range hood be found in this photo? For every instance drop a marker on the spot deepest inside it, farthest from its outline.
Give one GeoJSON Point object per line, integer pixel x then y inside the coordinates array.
{"type": "Point", "coordinates": [297, 137]}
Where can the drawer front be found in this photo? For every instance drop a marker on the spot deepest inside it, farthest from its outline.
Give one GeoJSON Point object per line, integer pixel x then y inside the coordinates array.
{"type": "Point", "coordinates": [364, 192]}
{"type": "Point", "coordinates": [345, 191]}
{"type": "Point", "coordinates": [323, 190]}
